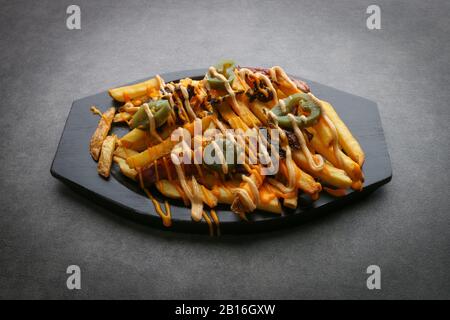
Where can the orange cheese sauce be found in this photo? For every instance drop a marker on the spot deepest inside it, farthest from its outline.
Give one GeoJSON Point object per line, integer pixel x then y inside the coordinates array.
{"type": "Point", "coordinates": [165, 217]}
{"type": "Point", "coordinates": [209, 223]}
{"type": "Point", "coordinates": [216, 221]}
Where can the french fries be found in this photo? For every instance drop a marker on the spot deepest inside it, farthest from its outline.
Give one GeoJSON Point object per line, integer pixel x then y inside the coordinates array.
{"type": "Point", "coordinates": [348, 142]}
{"type": "Point", "coordinates": [149, 87]}
{"type": "Point", "coordinates": [170, 190]}
{"type": "Point", "coordinates": [164, 148]}
{"type": "Point", "coordinates": [136, 139]}
{"type": "Point", "coordinates": [106, 156]}
{"type": "Point", "coordinates": [315, 150]}
{"type": "Point", "coordinates": [329, 174]}
{"type": "Point", "coordinates": [125, 169]}
{"type": "Point", "coordinates": [104, 125]}
{"type": "Point", "coordinates": [352, 169]}
{"type": "Point", "coordinates": [124, 153]}
{"type": "Point", "coordinates": [221, 193]}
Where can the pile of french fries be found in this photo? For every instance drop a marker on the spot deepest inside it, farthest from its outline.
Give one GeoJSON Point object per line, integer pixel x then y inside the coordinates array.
{"type": "Point", "coordinates": [315, 156]}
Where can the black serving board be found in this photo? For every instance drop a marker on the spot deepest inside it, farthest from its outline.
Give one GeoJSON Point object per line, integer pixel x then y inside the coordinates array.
{"type": "Point", "coordinates": [74, 166]}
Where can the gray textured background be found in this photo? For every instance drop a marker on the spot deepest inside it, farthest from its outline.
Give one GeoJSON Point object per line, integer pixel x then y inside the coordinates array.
{"type": "Point", "coordinates": [404, 227]}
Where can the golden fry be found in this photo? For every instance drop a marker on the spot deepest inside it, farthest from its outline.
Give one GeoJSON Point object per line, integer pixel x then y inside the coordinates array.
{"type": "Point", "coordinates": [148, 88]}
{"type": "Point", "coordinates": [125, 169]}
{"type": "Point", "coordinates": [347, 141]}
{"type": "Point", "coordinates": [164, 148]}
{"type": "Point", "coordinates": [104, 125]}
{"type": "Point", "coordinates": [329, 174]}
{"type": "Point", "coordinates": [124, 153]}
{"type": "Point", "coordinates": [324, 132]}
{"type": "Point", "coordinates": [106, 156]}
{"type": "Point", "coordinates": [352, 169]}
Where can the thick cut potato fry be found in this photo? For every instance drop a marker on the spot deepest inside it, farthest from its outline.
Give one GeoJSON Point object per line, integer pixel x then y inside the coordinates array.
{"type": "Point", "coordinates": [324, 132]}
{"type": "Point", "coordinates": [124, 153]}
{"type": "Point", "coordinates": [137, 139]}
{"type": "Point", "coordinates": [125, 169]}
{"type": "Point", "coordinates": [164, 148]}
{"type": "Point", "coordinates": [257, 107]}
{"type": "Point", "coordinates": [352, 169]}
{"type": "Point", "coordinates": [306, 183]}
{"type": "Point", "coordinates": [245, 114]}
{"type": "Point", "coordinates": [146, 88]}
{"type": "Point", "coordinates": [291, 202]}
{"type": "Point", "coordinates": [272, 204]}
{"type": "Point", "coordinates": [151, 154]}
{"type": "Point", "coordinates": [170, 190]}
{"type": "Point", "coordinates": [106, 156]}
{"type": "Point", "coordinates": [329, 174]}
{"type": "Point", "coordinates": [286, 88]}
{"type": "Point", "coordinates": [104, 125]}
{"type": "Point", "coordinates": [231, 117]}
{"type": "Point", "coordinates": [346, 140]}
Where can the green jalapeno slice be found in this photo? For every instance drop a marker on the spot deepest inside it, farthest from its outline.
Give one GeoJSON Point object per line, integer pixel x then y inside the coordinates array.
{"type": "Point", "coordinates": [159, 108]}
{"type": "Point", "coordinates": [306, 103]}
{"type": "Point", "coordinates": [224, 67]}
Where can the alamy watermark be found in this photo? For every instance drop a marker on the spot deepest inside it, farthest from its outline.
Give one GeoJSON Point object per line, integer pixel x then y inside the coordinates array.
{"type": "Point", "coordinates": [230, 146]}
{"type": "Point", "coordinates": [73, 21]}
{"type": "Point", "coordinates": [74, 280]}
{"type": "Point", "coordinates": [373, 21]}
{"type": "Point", "coordinates": [374, 280]}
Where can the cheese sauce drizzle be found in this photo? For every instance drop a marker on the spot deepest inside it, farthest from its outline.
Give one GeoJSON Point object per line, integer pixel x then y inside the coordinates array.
{"type": "Point", "coordinates": [193, 194]}
{"type": "Point", "coordinates": [216, 221]}
{"type": "Point", "coordinates": [235, 105]}
{"type": "Point", "coordinates": [165, 217]}
{"type": "Point", "coordinates": [277, 70]}
{"type": "Point", "coordinates": [151, 122]}
{"type": "Point", "coordinates": [187, 104]}
{"type": "Point", "coordinates": [314, 166]}
{"type": "Point", "coordinates": [246, 72]}
{"type": "Point", "coordinates": [209, 223]}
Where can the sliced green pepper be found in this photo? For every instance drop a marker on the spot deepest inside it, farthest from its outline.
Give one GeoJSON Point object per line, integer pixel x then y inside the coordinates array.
{"type": "Point", "coordinates": [159, 108]}
{"type": "Point", "coordinates": [224, 67]}
{"type": "Point", "coordinates": [307, 104]}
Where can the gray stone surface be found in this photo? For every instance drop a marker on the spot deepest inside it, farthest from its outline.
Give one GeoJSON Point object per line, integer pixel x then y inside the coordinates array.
{"type": "Point", "coordinates": [404, 227]}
